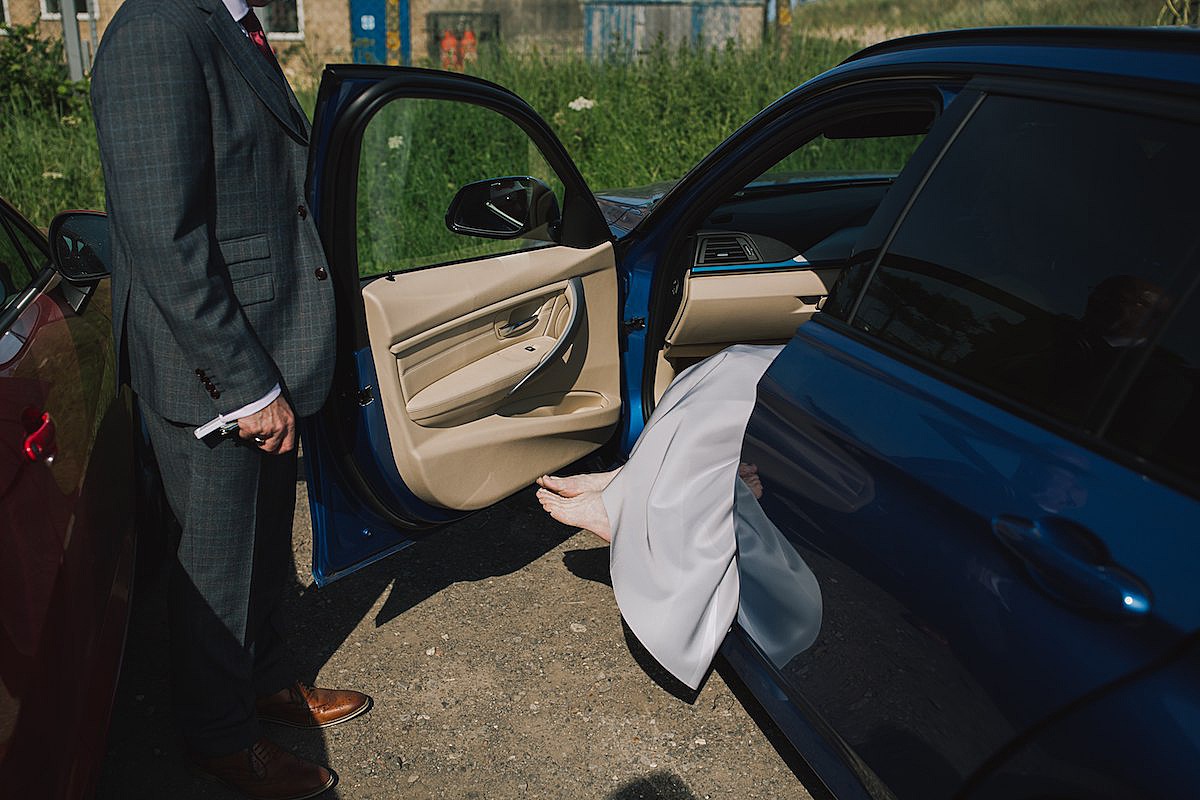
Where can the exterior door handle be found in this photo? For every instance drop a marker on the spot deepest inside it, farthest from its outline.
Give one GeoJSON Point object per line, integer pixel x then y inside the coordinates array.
{"type": "Point", "coordinates": [40, 444]}
{"type": "Point", "coordinates": [1071, 564]}
{"type": "Point", "coordinates": [574, 323]}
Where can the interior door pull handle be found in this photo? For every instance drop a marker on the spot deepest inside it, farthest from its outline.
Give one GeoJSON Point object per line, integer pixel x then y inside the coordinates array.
{"type": "Point", "coordinates": [520, 326]}
{"type": "Point", "coordinates": [574, 323]}
{"type": "Point", "coordinates": [1072, 564]}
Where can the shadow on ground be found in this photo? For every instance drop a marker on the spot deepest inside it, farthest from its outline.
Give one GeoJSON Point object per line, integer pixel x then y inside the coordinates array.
{"type": "Point", "coordinates": [659, 786]}
{"type": "Point", "coordinates": [145, 758]}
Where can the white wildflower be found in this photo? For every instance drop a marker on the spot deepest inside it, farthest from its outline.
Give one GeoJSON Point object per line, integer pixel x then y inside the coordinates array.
{"type": "Point", "coordinates": [581, 103]}
{"type": "Point", "coordinates": [51, 175]}
{"type": "Point", "coordinates": [395, 142]}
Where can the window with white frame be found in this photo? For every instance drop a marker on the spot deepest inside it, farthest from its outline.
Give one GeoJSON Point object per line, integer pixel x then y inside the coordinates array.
{"type": "Point", "coordinates": [84, 9]}
{"type": "Point", "coordinates": [284, 19]}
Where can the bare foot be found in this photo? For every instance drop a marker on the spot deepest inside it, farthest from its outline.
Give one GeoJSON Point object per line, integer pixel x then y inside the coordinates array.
{"type": "Point", "coordinates": [575, 485]}
{"type": "Point", "coordinates": [584, 510]}
{"type": "Point", "coordinates": [749, 475]}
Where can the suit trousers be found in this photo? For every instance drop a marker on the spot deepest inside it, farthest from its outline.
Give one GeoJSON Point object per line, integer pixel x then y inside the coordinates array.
{"type": "Point", "coordinates": [233, 564]}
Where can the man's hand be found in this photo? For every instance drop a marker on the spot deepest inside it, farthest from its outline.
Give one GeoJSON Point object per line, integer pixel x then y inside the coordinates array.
{"type": "Point", "coordinates": [275, 425]}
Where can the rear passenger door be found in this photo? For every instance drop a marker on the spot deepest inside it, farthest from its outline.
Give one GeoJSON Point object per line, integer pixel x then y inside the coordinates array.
{"type": "Point", "coordinates": [959, 449]}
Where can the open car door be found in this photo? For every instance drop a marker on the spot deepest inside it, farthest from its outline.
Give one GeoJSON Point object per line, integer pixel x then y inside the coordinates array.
{"type": "Point", "coordinates": [477, 307]}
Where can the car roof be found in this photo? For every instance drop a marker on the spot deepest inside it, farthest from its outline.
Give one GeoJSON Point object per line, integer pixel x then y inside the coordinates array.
{"type": "Point", "coordinates": [1159, 55]}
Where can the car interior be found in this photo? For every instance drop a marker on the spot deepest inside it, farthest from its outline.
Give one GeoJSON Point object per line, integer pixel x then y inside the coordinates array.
{"type": "Point", "coordinates": [762, 262]}
{"type": "Point", "coordinates": [491, 368]}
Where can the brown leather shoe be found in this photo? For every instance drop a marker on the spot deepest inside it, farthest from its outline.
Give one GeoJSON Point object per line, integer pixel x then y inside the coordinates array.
{"type": "Point", "coordinates": [304, 706]}
{"type": "Point", "coordinates": [265, 771]}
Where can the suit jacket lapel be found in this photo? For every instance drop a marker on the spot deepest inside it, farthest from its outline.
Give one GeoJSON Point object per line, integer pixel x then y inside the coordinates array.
{"type": "Point", "coordinates": [263, 76]}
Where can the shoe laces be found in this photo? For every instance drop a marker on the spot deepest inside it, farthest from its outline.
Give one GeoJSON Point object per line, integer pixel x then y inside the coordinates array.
{"type": "Point", "coordinates": [262, 753]}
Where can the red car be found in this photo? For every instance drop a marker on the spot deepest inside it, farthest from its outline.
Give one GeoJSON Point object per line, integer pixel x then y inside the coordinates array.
{"type": "Point", "coordinates": [66, 519]}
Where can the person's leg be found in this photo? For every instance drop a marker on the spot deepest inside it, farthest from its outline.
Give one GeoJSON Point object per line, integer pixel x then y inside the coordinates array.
{"type": "Point", "coordinates": [273, 573]}
{"type": "Point", "coordinates": [219, 498]}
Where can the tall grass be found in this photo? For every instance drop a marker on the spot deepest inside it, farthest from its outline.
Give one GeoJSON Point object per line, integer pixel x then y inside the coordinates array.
{"type": "Point", "coordinates": [624, 124]}
{"type": "Point", "coordinates": [48, 161]}
{"type": "Point", "coordinates": [653, 119]}
{"type": "Point", "coordinates": [870, 21]}
{"type": "Point", "coordinates": [650, 119]}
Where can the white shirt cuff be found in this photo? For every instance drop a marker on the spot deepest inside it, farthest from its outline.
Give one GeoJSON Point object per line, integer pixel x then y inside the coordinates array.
{"type": "Point", "coordinates": [244, 411]}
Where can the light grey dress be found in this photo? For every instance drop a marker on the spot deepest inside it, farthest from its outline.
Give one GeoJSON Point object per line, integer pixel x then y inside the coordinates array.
{"type": "Point", "coordinates": [672, 509]}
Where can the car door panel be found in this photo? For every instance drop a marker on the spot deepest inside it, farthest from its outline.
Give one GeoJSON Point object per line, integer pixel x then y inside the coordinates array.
{"type": "Point", "coordinates": [461, 437]}
{"type": "Point", "coordinates": [66, 483]}
{"type": "Point", "coordinates": [719, 310]}
{"type": "Point", "coordinates": [988, 564]}
{"type": "Point", "coordinates": [924, 606]}
{"type": "Point", "coordinates": [434, 412]}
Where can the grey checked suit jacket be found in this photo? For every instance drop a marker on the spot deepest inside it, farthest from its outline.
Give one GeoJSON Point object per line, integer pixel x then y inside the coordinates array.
{"type": "Point", "coordinates": [217, 264]}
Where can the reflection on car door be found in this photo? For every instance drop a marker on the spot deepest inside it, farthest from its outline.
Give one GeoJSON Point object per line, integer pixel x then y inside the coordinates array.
{"type": "Point", "coordinates": [65, 511]}
{"type": "Point", "coordinates": [467, 366]}
{"type": "Point", "coordinates": [931, 446]}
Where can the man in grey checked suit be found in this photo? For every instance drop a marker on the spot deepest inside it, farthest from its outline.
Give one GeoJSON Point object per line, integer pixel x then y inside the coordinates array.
{"type": "Point", "coordinates": [223, 311]}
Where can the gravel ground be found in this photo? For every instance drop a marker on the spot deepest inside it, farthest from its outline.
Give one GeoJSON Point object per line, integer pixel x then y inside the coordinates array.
{"type": "Point", "coordinates": [499, 668]}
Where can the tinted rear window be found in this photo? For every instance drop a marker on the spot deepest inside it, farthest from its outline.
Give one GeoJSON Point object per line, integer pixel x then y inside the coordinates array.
{"type": "Point", "coordinates": [1043, 251]}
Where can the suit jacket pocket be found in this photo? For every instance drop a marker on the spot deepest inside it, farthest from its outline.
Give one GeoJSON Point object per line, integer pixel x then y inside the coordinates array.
{"type": "Point", "coordinates": [249, 265]}
{"type": "Point", "coordinates": [254, 289]}
{"type": "Point", "coordinates": [247, 248]}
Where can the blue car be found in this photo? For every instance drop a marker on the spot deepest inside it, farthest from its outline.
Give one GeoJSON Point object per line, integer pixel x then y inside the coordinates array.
{"type": "Point", "coordinates": [979, 448]}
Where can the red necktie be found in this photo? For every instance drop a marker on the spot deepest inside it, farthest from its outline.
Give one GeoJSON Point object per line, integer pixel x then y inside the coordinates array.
{"type": "Point", "coordinates": [257, 35]}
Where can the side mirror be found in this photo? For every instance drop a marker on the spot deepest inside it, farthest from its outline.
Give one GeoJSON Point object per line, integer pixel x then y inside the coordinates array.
{"type": "Point", "coordinates": [79, 245]}
{"type": "Point", "coordinates": [505, 208]}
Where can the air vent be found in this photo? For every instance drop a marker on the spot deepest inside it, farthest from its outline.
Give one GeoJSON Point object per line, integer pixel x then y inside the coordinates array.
{"type": "Point", "coordinates": [726, 248]}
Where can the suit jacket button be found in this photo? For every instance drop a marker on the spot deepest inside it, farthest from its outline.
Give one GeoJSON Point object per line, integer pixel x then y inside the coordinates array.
{"type": "Point", "coordinates": [302, 211]}
{"type": "Point", "coordinates": [321, 273]}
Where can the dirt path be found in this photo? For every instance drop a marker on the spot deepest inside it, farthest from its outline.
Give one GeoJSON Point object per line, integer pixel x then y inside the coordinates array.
{"type": "Point", "coordinates": [499, 668]}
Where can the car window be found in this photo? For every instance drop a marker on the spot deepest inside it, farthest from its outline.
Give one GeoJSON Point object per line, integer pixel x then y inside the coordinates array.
{"type": "Point", "coordinates": [15, 274]}
{"type": "Point", "coordinates": [1042, 252]}
{"type": "Point", "coordinates": [826, 157]}
{"type": "Point", "coordinates": [1159, 418]}
{"type": "Point", "coordinates": [416, 154]}
{"type": "Point", "coordinates": [810, 206]}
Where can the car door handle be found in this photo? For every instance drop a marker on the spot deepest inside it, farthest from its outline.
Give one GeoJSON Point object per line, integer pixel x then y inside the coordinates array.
{"type": "Point", "coordinates": [574, 323]}
{"type": "Point", "coordinates": [40, 444]}
{"type": "Point", "coordinates": [1071, 564]}
{"type": "Point", "coordinates": [514, 328]}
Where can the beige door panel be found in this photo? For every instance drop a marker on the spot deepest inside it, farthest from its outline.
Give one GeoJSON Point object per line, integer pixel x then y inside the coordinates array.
{"type": "Point", "coordinates": [451, 343]}
{"type": "Point", "coordinates": [464, 367]}
{"type": "Point", "coordinates": [718, 311]}
{"type": "Point", "coordinates": [745, 307]}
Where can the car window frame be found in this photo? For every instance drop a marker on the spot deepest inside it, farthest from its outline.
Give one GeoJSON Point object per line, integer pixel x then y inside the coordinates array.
{"type": "Point", "coordinates": [882, 230]}
{"type": "Point", "coordinates": [787, 128]}
{"type": "Point", "coordinates": [11, 223]}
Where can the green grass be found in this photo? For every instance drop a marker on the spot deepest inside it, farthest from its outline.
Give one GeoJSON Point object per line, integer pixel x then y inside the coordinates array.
{"type": "Point", "coordinates": [49, 162]}
{"type": "Point", "coordinates": [651, 120]}
{"type": "Point", "coordinates": [870, 21]}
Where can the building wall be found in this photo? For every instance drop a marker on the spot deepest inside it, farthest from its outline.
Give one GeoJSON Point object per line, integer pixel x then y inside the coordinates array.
{"type": "Point", "coordinates": [632, 27]}
{"type": "Point", "coordinates": [550, 26]}
{"type": "Point", "coordinates": [324, 37]}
